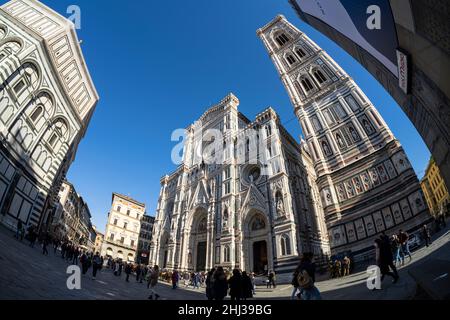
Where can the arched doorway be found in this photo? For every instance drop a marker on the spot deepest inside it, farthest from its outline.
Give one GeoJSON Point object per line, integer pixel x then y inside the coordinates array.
{"type": "Point", "coordinates": [198, 241]}
{"type": "Point", "coordinates": [256, 244]}
{"type": "Point", "coordinates": [163, 251]}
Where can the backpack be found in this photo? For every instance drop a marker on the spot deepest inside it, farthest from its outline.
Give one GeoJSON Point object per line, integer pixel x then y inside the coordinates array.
{"type": "Point", "coordinates": [304, 280]}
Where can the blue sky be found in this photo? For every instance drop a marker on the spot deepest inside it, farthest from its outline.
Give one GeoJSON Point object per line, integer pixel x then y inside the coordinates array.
{"type": "Point", "coordinates": [158, 65]}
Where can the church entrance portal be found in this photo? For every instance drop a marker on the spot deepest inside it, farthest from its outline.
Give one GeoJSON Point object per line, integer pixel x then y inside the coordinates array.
{"type": "Point", "coordinates": [260, 261]}
{"type": "Point", "coordinates": [201, 256]}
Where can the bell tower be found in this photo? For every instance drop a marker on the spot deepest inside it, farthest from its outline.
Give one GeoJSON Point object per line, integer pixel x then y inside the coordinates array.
{"type": "Point", "coordinates": [359, 163]}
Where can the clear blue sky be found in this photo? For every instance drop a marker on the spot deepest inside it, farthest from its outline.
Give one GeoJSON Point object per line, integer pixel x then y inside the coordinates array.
{"type": "Point", "coordinates": [158, 65]}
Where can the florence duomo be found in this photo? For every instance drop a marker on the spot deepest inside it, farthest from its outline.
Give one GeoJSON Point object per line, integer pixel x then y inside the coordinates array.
{"type": "Point", "coordinates": [255, 215]}
{"type": "Point", "coordinates": [224, 150]}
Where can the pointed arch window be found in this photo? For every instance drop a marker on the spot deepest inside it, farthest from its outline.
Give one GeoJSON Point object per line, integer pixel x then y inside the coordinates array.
{"type": "Point", "coordinates": [307, 85]}
{"type": "Point", "coordinates": [290, 58]}
{"type": "Point", "coordinates": [300, 52]}
{"type": "Point", "coordinates": [282, 39]}
{"type": "Point", "coordinates": [226, 253]}
{"type": "Point", "coordinates": [285, 242]}
{"type": "Point", "coordinates": [319, 76]}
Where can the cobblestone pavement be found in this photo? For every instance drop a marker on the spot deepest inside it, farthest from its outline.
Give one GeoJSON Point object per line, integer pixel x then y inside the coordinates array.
{"type": "Point", "coordinates": [27, 274]}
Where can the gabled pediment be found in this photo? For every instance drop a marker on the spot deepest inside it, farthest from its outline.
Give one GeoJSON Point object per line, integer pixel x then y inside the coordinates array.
{"type": "Point", "coordinates": [254, 199]}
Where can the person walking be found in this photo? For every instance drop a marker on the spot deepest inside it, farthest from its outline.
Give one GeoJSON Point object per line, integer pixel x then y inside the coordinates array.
{"type": "Point", "coordinates": [19, 229]}
{"type": "Point", "coordinates": [397, 250]}
{"type": "Point", "coordinates": [128, 272]}
{"type": "Point", "coordinates": [271, 278]}
{"type": "Point", "coordinates": [220, 285]}
{"type": "Point", "coordinates": [294, 283]}
{"type": "Point", "coordinates": [32, 236]}
{"type": "Point", "coordinates": [252, 279]}
{"type": "Point", "coordinates": [154, 276]}
{"type": "Point", "coordinates": [247, 286]}
{"type": "Point", "coordinates": [174, 279]}
{"type": "Point", "coordinates": [235, 285]}
{"type": "Point", "coordinates": [96, 265]}
{"type": "Point", "coordinates": [209, 284]}
{"type": "Point", "coordinates": [306, 278]}
{"type": "Point", "coordinates": [45, 242]}
{"type": "Point", "coordinates": [404, 237]}
{"type": "Point", "coordinates": [384, 258]}
{"type": "Point", "coordinates": [84, 262]}
{"type": "Point", "coordinates": [426, 235]}
{"type": "Point", "coordinates": [138, 271]}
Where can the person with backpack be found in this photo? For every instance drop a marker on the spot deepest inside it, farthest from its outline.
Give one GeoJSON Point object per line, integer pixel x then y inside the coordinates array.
{"type": "Point", "coordinates": [154, 276]}
{"type": "Point", "coordinates": [306, 278]}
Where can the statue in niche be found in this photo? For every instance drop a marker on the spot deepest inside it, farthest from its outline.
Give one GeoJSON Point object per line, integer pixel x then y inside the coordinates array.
{"type": "Point", "coordinates": [354, 134]}
{"type": "Point", "coordinates": [340, 141]}
{"type": "Point", "coordinates": [202, 225]}
{"type": "Point", "coordinates": [326, 148]}
{"type": "Point", "coordinates": [368, 127]}
{"type": "Point", "coordinates": [225, 220]}
{"type": "Point", "coordinates": [279, 204]}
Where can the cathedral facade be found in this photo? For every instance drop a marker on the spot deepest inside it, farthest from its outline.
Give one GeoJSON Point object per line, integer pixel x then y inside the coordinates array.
{"type": "Point", "coordinates": [255, 206]}
{"type": "Point", "coordinates": [366, 182]}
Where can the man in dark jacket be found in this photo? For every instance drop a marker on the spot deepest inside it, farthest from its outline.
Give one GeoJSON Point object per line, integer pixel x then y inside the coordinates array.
{"type": "Point", "coordinates": [128, 272]}
{"type": "Point", "coordinates": [220, 286]}
{"type": "Point", "coordinates": [235, 284]}
{"type": "Point", "coordinates": [384, 257]}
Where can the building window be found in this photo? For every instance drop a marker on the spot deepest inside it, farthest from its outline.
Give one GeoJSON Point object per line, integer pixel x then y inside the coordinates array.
{"type": "Point", "coordinates": [226, 253]}
{"type": "Point", "coordinates": [132, 243]}
{"type": "Point", "coordinates": [36, 114]}
{"type": "Point", "coordinates": [128, 212]}
{"type": "Point", "coordinates": [111, 237]}
{"type": "Point", "coordinates": [290, 58]}
{"type": "Point", "coordinates": [268, 130]}
{"type": "Point", "coordinates": [19, 87]}
{"type": "Point", "coordinates": [118, 208]}
{"type": "Point", "coordinates": [282, 39]}
{"type": "Point", "coordinates": [227, 173]}
{"type": "Point", "coordinates": [115, 222]}
{"type": "Point", "coordinates": [227, 187]}
{"type": "Point", "coordinates": [122, 240]}
{"type": "Point", "coordinates": [285, 245]}
{"type": "Point", "coordinates": [125, 225]}
{"type": "Point", "coordinates": [53, 139]}
{"type": "Point", "coordinates": [300, 52]}
{"type": "Point", "coordinates": [319, 76]}
{"type": "Point", "coordinates": [306, 84]}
